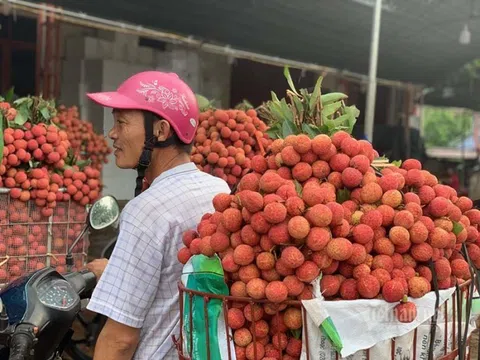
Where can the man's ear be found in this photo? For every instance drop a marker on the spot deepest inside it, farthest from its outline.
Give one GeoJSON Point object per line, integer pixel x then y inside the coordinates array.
{"type": "Point", "coordinates": [161, 129]}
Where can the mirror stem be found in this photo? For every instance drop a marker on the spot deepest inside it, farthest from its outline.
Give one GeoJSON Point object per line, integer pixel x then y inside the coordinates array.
{"type": "Point", "coordinates": [69, 258]}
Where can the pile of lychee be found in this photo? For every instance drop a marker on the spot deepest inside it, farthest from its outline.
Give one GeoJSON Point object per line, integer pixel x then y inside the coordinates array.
{"type": "Point", "coordinates": [318, 206]}
{"type": "Point", "coordinates": [226, 141]}
{"type": "Point", "coordinates": [86, 143]}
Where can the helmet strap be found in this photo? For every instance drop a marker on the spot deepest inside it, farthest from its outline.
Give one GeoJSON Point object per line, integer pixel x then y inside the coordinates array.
{"type": "Point", "coordinates": [148, 146]}
{"type": "Point", "coordinates": [146, 156]}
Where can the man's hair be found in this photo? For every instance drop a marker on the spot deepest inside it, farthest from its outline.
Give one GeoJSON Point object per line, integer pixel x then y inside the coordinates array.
{"type": "Point", "coordinates": [180, 144]}
{"type": "Point", "coordinates": [176, 140]}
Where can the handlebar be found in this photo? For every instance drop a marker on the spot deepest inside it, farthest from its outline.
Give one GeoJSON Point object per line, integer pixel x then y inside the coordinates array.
{"type": "Point", "coordinates": [21, 342]}
{"type": "Point", "coordinates": [83, 281]}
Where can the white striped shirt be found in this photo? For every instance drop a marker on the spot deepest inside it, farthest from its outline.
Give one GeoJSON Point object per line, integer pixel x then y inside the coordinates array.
{"type": "Point", "coordinates": [139, 285]}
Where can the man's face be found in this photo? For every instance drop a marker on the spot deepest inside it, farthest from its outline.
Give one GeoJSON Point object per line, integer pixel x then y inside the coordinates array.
{"type": "Point", "coordinates": [128, 135]}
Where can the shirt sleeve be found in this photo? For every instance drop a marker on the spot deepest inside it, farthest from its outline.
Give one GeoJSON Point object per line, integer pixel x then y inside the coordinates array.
{"type": "Point", "coordinates": [130, 281]}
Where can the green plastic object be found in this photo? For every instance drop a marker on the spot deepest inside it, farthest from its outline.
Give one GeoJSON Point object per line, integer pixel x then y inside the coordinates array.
{"type": "Point", "coordinates": [204, 274]}
{"type": "Point", "coordinates": [330, 331]}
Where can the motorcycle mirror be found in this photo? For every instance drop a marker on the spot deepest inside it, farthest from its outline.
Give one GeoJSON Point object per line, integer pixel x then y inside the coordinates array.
{"type": "Point", "coordinates": [103, 213]}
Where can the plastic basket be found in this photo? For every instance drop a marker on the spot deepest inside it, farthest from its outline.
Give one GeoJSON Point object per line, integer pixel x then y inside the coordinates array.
{"type": "Point", "coordinates": [459, 301]}
{"type": "Point", "coordinates": [30, 241]}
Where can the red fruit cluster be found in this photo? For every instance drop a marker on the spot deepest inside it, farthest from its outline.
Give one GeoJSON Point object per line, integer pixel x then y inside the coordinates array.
{"type": "Point", "coordinates": [86, 143]}
{"type": "Point", "coordinates": [38, 142]}
{"type": "Point", "coordinates": [227, 140]}
{"type": "Point", "coordinates": [317, 206]}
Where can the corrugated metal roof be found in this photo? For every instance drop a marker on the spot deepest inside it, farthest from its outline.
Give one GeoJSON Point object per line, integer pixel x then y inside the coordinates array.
{"type": "Point", "coordinates": [418, 43]}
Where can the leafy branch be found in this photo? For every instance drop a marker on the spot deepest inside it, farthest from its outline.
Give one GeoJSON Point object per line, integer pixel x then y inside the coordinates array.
{"type": "Point", "coordinates": [310, 113]}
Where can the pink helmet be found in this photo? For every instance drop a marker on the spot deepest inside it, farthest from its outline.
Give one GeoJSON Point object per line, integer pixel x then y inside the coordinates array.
{"type": "Point", "coordinates": [163, 94]}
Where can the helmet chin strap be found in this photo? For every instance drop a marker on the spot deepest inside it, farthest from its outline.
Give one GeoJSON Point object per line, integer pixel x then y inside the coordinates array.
{"type": "Point", "coordinates": [148, 146]}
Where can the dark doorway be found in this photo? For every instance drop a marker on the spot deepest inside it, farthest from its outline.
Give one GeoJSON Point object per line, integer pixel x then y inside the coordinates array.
{"type": "Point", "coordinates": [17, 54]}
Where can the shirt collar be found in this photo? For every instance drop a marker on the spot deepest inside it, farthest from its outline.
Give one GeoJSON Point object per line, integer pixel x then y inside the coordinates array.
{"type": "Point", "coordinates": [187, 167]}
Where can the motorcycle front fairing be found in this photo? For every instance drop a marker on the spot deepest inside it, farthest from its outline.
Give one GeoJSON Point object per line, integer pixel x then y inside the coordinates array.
{"type": "Point", "coordinates": [47, 302]}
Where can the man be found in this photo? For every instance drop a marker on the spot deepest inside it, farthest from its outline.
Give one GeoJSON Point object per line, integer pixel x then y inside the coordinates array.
{"type": "Point", "coordinates": [156, 115]}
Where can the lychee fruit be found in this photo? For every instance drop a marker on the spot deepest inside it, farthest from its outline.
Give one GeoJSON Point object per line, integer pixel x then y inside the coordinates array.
{"type": "Point", "coordinates": [276, 292]}
{"type": "Point", "coordinates": [382, 262]}
{"type": "Point", "coordinates": [320, 144]}
{"type": "Point", "coordinates": [460, 269]}
{"type": "Point", "coordinates": [307, 272]}
{"type": "Point", "coordinates": [348, 290]}
{"type": "Point", "coordinates": [362, 234]}
{"type": "Point", "coordinates": [236, 318]}
{"type": "Point", "coordinates": [393, 291]}
{"type": "Point", "coordinates": [292, 257]}
{"type": "Point", "coordinates": [242, 337]}
{"type": "Point", "coordinates": [339, 249]}
{"type": "Point", "coordinates": [443, 269]}
{"type": "Point", "coordinates": [414, 178]}
{"type": "Point", "coordinates": [295, 206]}
{"type": "Point", "coordinates": [404, 219]}
{"type": "Point", "coordinates": [406, 311]}
{"type": "Point", "coordinates": [339, 162]}
{"type": "Point", "coordinates": [438, 238]}
{"type": "Point", "coordinates": [368, 286]}
{"type": "Point", "coordinates": [438, 207]}
{"type": "Point", "coordinates": [392, 198]}
{"type": "Point", "coordinates": [372, 218]}
{"type": "Point", "coordinates": [421, 252]}
{"type": "Point", "coordinates": [275, 212]}
{"type": "Point", "coordinates": [265, 261]}
{"type": "Point", "coordinates": [418, 286]}
{"type": "Point", "coordinates": [388, 182]}
{"type": "Point", "coordinates": [298, 227]}
{"type": "Point", "coordinates": [256, 288]}
{"type": "Point", "coordinates": [294, 285]}
{"type": "Point", "coordinates": [232, 219]}
{"type": "Point", "coordinates": [292, 317]}
{"type": "Point", "coordinates": [371, 193]}
{"type": "Point", "coordinates": [418, 233]}
{"type": "Point", "coordinates": [318, 238]}
{"type": "Point", "coordinates": [351, 177]}
{"type": "Point", "coordinates": [399, 236]}
{"type": "Point", "coordinates": [243, 255]}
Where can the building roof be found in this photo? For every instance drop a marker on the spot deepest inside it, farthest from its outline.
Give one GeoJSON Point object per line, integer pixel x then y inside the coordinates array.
{"type": "Point", "coordinates": [418, 42]}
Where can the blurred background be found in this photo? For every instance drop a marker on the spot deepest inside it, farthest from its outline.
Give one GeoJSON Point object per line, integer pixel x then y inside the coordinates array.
{"type": "Point", "coordinates": [410, 66]}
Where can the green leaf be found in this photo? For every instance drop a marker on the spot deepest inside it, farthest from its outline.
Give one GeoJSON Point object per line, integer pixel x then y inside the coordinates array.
{"type": "Point", "coordinates": [1, 136]}
{"type": "Point", "coordinates": [298, 104]}
{"type": "Point", "coordinates": [343, 195]}
{"type": "Point", "coordinates": [286, 73]}
{"type": "Point", "coordinates": [316, 93]}
{"type": "Point", "coordinates": [310, 130]}
{"type": "Point", "coordinates": [333, 97]}
{"type": "Point", "coordinates": [45, 113]}
{"type": "Point", "coordinates": [330, 109]}
{"type": "Point", "coordinates": [203, 102]}
{"type": "Point", "coordinates": [298, 188]}
{"type": "Point", "coordinates": [274, 134]}
{"type": "Point", "coordinates": [34, 164]}
{"type": "Point", "coordinates": [457, 228]}
{"type": "Point", "coordinates": [21, 101]}
{"type": "Point", "coordinates": [9, 95]}
{"type": "Point", "coordinates": [20, 118]}
{"type": "Point", "coordinates": [297, 334]}
{"type": "Point", "coordinates": [306, 101]}
{"type": "Point", "coordinates": [288, 128]}
{"type": "Point", "coordinates": [82, 163]}
{"type": "Point", "coordinates": [274, 96]}
{"type": "Point", "coordinates": [397, 163]}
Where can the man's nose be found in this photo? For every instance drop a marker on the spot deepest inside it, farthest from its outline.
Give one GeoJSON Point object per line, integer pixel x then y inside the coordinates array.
{"type": "Point", "coordinates": [112, 134]}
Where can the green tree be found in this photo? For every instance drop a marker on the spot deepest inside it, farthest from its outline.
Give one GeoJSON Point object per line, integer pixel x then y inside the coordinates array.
{"type": "Point", "coordinates": [444, 127]}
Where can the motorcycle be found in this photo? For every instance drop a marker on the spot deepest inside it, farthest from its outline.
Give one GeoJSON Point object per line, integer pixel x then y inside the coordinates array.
{"type": "Point", "coordinates": [38, 309]}
{"type": "Point", "coordinates": [91, 327]}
